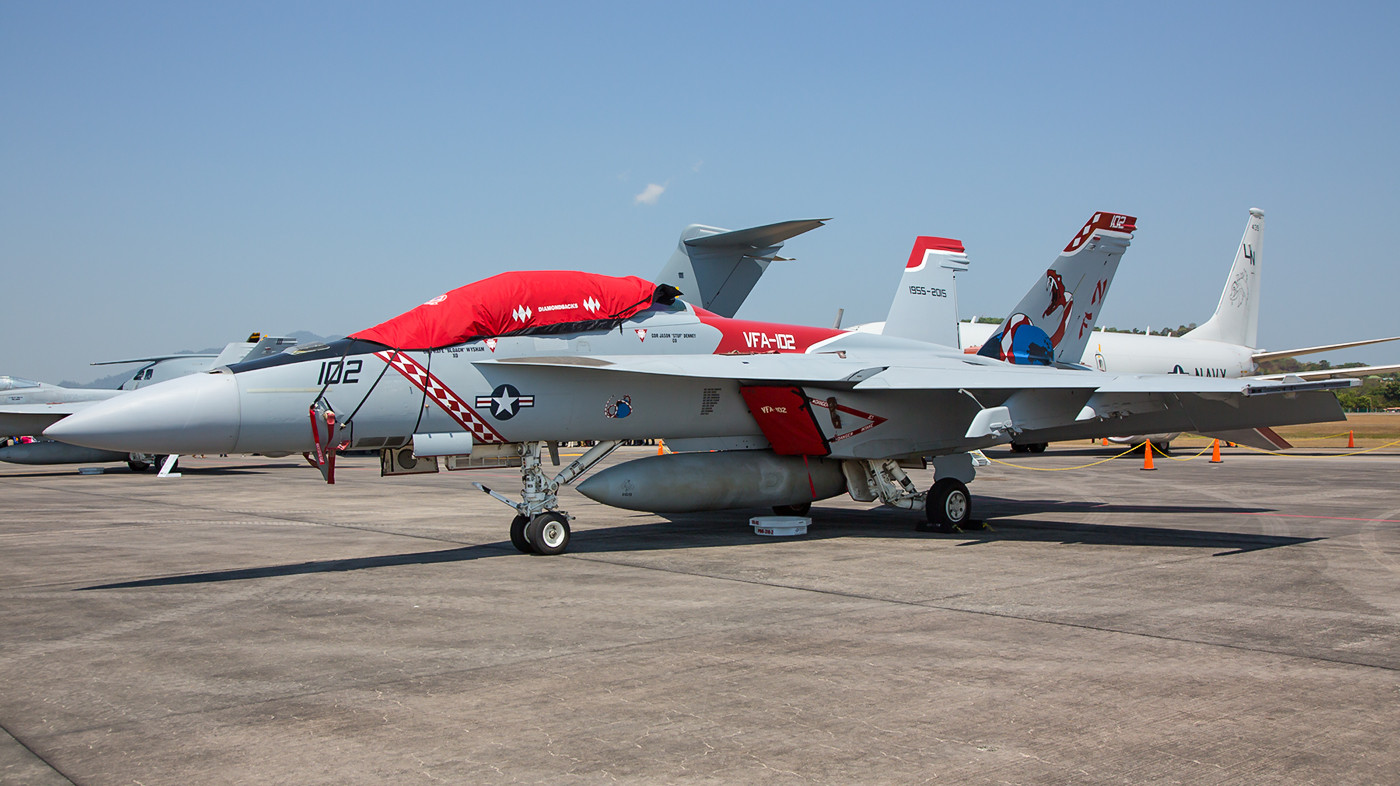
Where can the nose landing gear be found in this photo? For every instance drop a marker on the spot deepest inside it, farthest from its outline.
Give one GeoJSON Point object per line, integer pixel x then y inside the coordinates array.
{"type": "Point", "coordinates": [539, 527]}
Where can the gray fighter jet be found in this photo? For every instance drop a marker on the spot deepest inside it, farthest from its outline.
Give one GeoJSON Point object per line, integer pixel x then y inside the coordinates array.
{"type": "Point", "coordinates": [497, 372]}
{"type": "Point", "coordinates": [28, 407]}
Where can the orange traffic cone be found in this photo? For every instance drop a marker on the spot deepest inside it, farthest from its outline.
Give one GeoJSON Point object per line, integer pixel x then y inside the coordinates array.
{"type": "Point", "coordinates": [1215, 452]}
{"type": "Point", "coordinates": [1351, 440]}
{"type": "Point", "coordinates": [1147, 455]}
{"type": "Point", "coordinates": [660, 447]}
{"type": "Point", "coordinates": [1105, 441]}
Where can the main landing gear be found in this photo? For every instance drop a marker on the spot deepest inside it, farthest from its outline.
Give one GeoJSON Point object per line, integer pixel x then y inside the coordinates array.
{"type": "Point", "coordinates": [948, 505]}
{"type": "Point", "coordinates": [539, 527]}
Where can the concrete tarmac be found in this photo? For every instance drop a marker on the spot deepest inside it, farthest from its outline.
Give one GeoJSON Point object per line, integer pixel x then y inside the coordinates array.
{"type": "Point", "coordinates": [246, 623]}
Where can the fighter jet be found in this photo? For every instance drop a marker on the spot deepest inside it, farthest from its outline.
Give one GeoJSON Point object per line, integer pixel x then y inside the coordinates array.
{"type": "Point", "coordinates": [502, 369]}
{"type": "Point", "coordinates": [27, 407]}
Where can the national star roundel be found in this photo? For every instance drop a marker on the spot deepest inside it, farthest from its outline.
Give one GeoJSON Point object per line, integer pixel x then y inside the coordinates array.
{"type": "Point", "coordinates": [505, 402]}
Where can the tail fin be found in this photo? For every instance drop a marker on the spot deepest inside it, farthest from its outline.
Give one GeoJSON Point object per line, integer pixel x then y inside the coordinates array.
{"type": "Point", "coordinates": [717, 268]}
{"type": "Point", "coordinates": [1236, 318]}
{"type": "Point", "coordinates": [925, 306]}
{"type": "Point", "coordinates": [255, 347]}
{"type": "Point", "coordinates": [1053, 322]}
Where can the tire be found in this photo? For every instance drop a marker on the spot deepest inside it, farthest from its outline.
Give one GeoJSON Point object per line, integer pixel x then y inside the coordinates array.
{"type": "Point", "coordinates": [800, 509]}
{"type": "Point", "coordinates": [1038, 447]}
{"type": "Point", "coordinates": [1016, 447]}
{"type": "Point", "coordinates": [548, 533]}
{"type": "Point", "coordinates": [138, 466]}
{"type": "Point", "coordinates": [948, 505]}
{"type": "Point", "coordinates": [517, 535]}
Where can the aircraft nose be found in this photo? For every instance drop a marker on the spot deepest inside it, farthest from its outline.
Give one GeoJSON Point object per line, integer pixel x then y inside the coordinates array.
{"type": "Point", "coordinates": [198, 413]}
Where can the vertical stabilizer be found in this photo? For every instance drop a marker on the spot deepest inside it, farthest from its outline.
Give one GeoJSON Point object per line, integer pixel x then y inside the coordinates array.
{"type": "Point", "coordinates": [925, 306]}
{"type": "Point", "coordinates": [1054, 321]}
{"type": "Point", "coordinates": [717, 268]}
{"type": "Point", "coordinates": [1236, 318]}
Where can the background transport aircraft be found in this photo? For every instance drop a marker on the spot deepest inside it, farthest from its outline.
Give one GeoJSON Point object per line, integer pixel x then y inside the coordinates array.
{"type": "Point", "coordinates": [27, 408]}
{"type": "Point", "coordinates": [496, 372]}
{"type": "Point", "coordinates": [1226, 345]}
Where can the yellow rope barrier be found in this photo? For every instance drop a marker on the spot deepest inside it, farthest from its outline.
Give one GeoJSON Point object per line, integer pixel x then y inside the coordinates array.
{"type": "Point", "coordinates": [1165, 455]}
{"type": "Point", "coordinates": [1197, 455]}
{"type": "Point", "coordinates": [1062, 469]}
{"type": "Point", "coordinates": [1329, 436]}
{"type": "Point", "coordinates": [1339, 455]}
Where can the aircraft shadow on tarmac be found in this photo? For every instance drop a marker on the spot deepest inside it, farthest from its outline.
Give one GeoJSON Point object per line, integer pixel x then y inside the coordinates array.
{"type": "Point", "coordinates": [726, 528]}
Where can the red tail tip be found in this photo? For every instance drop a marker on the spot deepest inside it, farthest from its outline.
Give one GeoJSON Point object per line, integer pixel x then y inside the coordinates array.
{"type": "Point", "coordinates": [1113, 222]}
{"type": "Point", "coordinates": [924, 244]}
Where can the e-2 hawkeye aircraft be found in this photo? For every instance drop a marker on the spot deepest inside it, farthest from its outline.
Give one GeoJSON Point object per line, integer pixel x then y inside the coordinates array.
{"type": "Point", "coordinates": [503, 369]}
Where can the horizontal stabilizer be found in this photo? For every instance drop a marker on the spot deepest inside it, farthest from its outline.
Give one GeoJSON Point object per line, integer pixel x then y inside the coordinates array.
{"type": "Point", "coordinates": [1260, 357]}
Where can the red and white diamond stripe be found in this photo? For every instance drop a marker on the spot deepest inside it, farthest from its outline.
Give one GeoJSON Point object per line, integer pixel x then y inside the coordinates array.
{"type": "Point", "coordinates": [443, 396]}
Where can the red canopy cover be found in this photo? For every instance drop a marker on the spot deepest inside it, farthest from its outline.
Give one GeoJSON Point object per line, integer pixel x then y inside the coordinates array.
{"type": "Point", "coordinates": [536, 301]}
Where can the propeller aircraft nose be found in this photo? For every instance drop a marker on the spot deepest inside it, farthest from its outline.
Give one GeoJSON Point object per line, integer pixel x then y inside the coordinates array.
{"type": "Point", "coordinates": [199, 413]}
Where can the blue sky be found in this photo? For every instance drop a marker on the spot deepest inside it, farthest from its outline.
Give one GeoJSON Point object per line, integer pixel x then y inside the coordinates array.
{"type": "Point", "coordinates": [177, 175]}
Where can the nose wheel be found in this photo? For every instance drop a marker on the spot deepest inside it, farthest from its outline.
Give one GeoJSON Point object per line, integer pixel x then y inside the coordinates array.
{"type": "Point", "coordinates": [547, 534]}
{"type": "Point", "coordinates": [539, 527]}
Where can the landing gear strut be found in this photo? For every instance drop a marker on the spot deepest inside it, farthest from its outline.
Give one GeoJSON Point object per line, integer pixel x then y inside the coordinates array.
{"type": "Point", "coordinates": [539, 527]}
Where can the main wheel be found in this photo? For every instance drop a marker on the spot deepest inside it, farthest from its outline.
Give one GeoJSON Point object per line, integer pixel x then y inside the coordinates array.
{"type": "Point", "coordinates": [548, 533]}
{"type": "Point", "coordinates": [517, 535]}
{"type": "Point", "coordinates": [948, 504]}
{"type": "Point", "coordinates": [800, 509]}
{"type": "Point", "coordinates": [1017, 447]}
{"type": "Point", "coordinates": [1038, 447]}
{"type": "Point", "coordinates": [138, 466]}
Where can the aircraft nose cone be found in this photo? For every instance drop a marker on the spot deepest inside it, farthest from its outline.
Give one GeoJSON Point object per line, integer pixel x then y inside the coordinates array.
{"type": "Point", "coordinates": [198, 413]}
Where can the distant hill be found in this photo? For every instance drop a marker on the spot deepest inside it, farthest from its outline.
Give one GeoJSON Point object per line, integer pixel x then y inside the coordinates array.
{"type": "Point", "coordinates": [115, 380]}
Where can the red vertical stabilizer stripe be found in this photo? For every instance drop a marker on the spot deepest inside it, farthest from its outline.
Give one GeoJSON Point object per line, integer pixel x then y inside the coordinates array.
{"type": "Point", "coordinates": [923, 244]}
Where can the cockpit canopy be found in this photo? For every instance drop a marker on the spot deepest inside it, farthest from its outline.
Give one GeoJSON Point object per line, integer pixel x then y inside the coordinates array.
{"type": "Point", "coordinates": [8, 382]}
{"type": "Point", "coordinates": [516, 303]}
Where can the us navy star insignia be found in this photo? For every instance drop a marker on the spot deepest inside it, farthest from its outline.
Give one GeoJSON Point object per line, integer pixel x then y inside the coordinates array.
{"type": "Point", "coordinates": [505, 402]}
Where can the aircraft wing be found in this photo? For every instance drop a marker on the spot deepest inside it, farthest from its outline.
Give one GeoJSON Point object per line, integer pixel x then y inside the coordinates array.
{"type": "Point", "coordinates": [855, 372]}
{"type": "Point", "coordinates": [18, 420]}
{"type": "Point", "coordinates": [153, 359]}
{"type": "Point", "coordinates": [1355, 372]}
{"type": "Point", "coordinates": [952, 404]}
